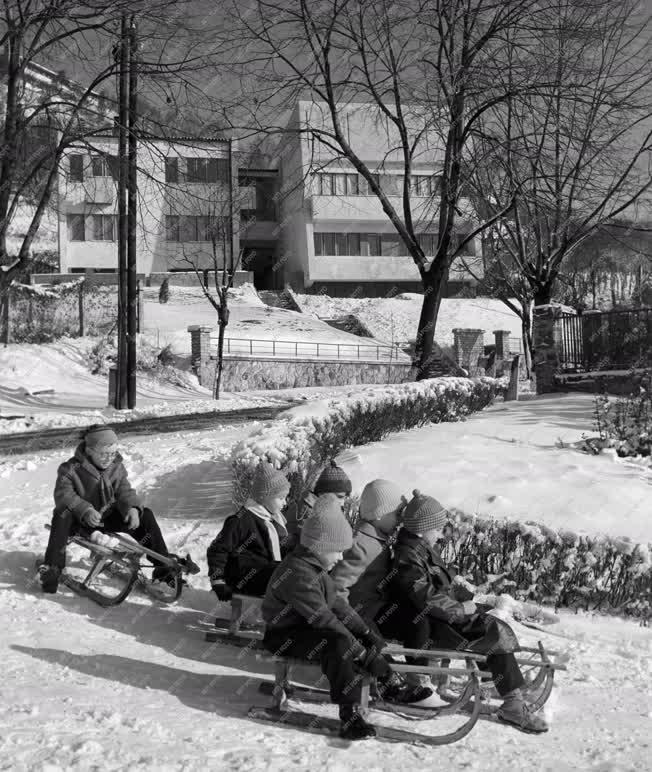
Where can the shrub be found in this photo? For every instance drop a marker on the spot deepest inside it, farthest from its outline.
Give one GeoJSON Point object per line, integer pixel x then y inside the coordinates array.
{"type": "Point", "coordinates": [625, 423]}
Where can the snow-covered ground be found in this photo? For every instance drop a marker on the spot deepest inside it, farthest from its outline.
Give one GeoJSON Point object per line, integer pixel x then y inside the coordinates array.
{"type": "Point", "coordinates": [136, 687]}
{"type": "Point", "coordinates": [249, 318]}
{"type": "Point", "coordinates": [396, 319]}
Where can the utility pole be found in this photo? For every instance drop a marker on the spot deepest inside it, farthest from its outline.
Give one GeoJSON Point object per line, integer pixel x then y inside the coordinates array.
{"type": "Point", "coordinates": [230, 224]}
{"type": "Point", "coordinates": [121, 380]}
{"type": "Point", "coordinates": [132, 191]}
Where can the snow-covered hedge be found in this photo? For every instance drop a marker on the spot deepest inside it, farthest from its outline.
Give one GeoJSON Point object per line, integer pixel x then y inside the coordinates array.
{"type": "Point", "coordinates": [532, 561]}
{"type": "Point", "coordinates": [304, 438]}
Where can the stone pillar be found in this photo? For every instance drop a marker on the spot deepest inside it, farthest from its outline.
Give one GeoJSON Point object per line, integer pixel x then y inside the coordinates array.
{"type": "Point", "coordinates": [469, 347]}
{"type": "Point", "coordinates": [502, 343]}
{"type": "Point", "coordinates": [200, 348]}
{"type": "Point", "coordinates": [545, 341]}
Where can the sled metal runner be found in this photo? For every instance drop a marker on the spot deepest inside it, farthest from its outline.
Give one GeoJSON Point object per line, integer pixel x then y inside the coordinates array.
{"type": "Point", "coordinates": [124, 562]}
{"type": "Point", "coordinates": [281, 712]}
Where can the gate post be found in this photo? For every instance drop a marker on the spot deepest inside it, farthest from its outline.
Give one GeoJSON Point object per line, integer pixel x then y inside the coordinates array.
{"type": "Point", "coordinates": [545, 341]}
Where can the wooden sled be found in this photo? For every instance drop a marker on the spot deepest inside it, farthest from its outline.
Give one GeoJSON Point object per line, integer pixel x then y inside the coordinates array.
{"type": "Point", "coordinates": [280, 711]}
{"type": "Point", "coordinates": [245, 629]}
{"type": "Point", "coordinates": [125, 563]}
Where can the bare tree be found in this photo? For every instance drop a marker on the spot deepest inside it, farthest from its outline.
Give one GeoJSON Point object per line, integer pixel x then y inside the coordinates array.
{"type": "Point", "coordinates": [428, 70]}
{"type": "Point", "coordinates": [573, 154]}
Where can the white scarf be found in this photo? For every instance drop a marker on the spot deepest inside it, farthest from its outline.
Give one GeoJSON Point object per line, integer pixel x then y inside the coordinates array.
{"type": "Point", "coordinates": [269, 519]}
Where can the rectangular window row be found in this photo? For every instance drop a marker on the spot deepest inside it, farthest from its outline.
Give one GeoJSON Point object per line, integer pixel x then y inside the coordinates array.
{"type": "Point", "coordinates": [193, 170]}
{"type": "Point", "coordinates": [177, 169]}
{"type": "Point", "coordinates": [95, 227]}
{"type": "Point", "coordinates": [379, 244]}
{"type": "Point", "coordinates": [346, 184]}
{"type": "Point", "coordinates": [184, 228]}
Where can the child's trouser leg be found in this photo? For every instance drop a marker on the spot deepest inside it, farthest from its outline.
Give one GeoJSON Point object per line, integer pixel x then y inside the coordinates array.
{"type": "Point", "coordinates": [255, 581]}
{"type": "Point", "coordinates": [330, 649]}
{"type": "Point", "coordinates": [505, 672]}
{"type": "Point", "coordinates": [60, 530]}
{"type": "Point", "coordinates": [412, 630]}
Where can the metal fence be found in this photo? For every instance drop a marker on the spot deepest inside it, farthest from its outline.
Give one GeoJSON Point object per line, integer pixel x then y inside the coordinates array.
{"type": "Point", "coordinates": [300, 349]}
{"type": "Point", "coordinates": [609, 340]}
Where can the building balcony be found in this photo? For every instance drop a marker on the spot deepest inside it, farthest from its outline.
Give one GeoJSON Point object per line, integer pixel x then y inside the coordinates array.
{"type": "Point", "coordinates": [94, 190]}
{"type": "Point", "coordinates": [368, 208]}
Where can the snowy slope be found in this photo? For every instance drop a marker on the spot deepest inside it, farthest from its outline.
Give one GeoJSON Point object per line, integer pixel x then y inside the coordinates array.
{"type": "Point", "coordinates": [396, 319]}
{"type": "Point", "coordinates": [249, 318]}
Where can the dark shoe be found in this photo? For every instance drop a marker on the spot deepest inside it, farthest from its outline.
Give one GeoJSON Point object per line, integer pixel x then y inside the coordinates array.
{"type": "Point", "coordinates": [397, 691]}
{"type": "Point", "coordinates": [167, 576]}
{"type": "Point", "coordinates": [352, 724]}
{"type": "Point", "coordinates": [49, 577]}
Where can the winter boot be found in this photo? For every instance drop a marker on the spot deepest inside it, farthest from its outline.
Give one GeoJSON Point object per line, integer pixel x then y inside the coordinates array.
{"type": "Point", "coordinates": [515, 711]}
{"type": "Point", "coordinates": [167, 576]}
{"type": "Point", "coordinates": [396, 690]}
{"type": "Point", "coordinates": [49, 577]}
{"type": "Point", "coordinates": [352, 724]}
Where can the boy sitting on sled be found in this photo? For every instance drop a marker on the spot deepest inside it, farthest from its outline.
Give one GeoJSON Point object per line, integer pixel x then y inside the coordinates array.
{"type": "Point", "coordinates": [305, 618]}
{"type": "Point", "coordinates": [426, 613]}
{"type": "Point", "coordinates": [252, 542]}
{"type": "Point", "coordinates": [92, 492]}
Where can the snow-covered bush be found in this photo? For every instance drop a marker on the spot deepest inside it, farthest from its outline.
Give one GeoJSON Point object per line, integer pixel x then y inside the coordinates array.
{"type": "Point", "coordinates": [306, 437]}
{"type": "Point", "coordinates": [560, 567]}
{"type": "Point", "coordinates": [625, 423]}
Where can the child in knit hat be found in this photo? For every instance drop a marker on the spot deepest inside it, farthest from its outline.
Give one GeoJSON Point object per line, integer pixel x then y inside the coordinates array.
{"type": "Point", "coordinates": [253, 541]}
{"type": "Point", "coordinates": [92, 492]}
{"type": "Point", "coordinates": [361, 577]}
{"type": "Point", "coordinates": [306, 618]}
{"type": "Point", "coordinates": [332, 479]}
{"type": "Point", "coordinates": [430, 613]}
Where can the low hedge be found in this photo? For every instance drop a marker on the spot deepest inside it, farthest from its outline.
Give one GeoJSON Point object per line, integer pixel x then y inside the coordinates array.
{"type": "Point", "coordinates": [558, 567]}
{"type": "Point", "coordinates": [528, 560]}
{"type": "Point", "coordinates": [302, 442]}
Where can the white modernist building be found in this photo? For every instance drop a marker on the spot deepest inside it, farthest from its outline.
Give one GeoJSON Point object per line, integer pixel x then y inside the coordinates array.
{"type": "Point", "coordinates": [184, 206]}
{"type": "Point", "coordinates": [335, 236]}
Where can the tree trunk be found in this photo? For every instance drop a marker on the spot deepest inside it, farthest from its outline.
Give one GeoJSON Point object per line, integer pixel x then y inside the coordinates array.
{"type": "Point", "coordinates": [526, 336]}
{"type": "Point", "coordinates": [543, 294]}
{"type": "Point", "coordinates": [223, 320]}
{"type": "Point", "coordinates": [433, 283]}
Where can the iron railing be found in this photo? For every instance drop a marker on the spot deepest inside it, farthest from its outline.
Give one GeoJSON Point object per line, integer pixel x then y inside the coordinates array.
{"type": "Point", "coordinates": [605, 340]}
{"type": "Point", "coordinates": [297, 349]}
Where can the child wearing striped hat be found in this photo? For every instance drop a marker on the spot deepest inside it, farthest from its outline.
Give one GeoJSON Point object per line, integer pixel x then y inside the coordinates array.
{"type": "Point", "coordinates": [254, 540]}
{"type": "Point", "coordinates": [332, 479]}
{"type": "Point", "coordinates": [430, 613]}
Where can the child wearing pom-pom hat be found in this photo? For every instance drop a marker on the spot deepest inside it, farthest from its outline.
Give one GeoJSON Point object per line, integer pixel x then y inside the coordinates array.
{"type": "Point", "coordinates": [429, 614]}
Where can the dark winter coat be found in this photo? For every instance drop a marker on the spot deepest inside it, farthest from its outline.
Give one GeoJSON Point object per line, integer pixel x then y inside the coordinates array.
{"type": "Point", "coordinates": [243, 546]}
{"type": "Point", "coordinates": [421, 578]}
{"type": "Point", "coordinates": [82, 487]}
{"type": "Point", "coordinates": [301, 593]}
{"type": "Point", "coordinates": [361, 577]}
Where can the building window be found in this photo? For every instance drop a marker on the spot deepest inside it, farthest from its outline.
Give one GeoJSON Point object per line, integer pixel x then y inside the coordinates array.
{"type": "Point", "coordinates": [340, 184]}
{"type": "Point", "coordinates": [354, 243]}
{"type": "Point", "coordinates": [172, 227]}
{"type": "Point", "coordinates": [172, 170]}
{"type": "Point", "coordinates": [76, 173]}
{"type": "Point", "coordinates": [425, 184]}
{"type": "Point", "coordinates": [104, 166]}
{"type": "Point", "coordinates": [369, 244]}
{"type": "Point", "coordinates": [76, 227]}
{"type": "Point", "coordinates": [187, 227]}
{"type": "Point", "coordinates": [104, 227]}
{"type": "Point", "coordinates": [390, 245]}
{"type": "Point", "coordinates": [207, 170]}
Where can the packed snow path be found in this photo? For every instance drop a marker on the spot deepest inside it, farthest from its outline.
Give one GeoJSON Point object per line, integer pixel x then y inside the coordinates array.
{"type": "Point", "coordinates": [136, 687]}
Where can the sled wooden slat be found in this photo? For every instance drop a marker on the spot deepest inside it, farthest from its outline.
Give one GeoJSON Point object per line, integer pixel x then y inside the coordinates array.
{"type": "Point", "coordinates": [434, 653]}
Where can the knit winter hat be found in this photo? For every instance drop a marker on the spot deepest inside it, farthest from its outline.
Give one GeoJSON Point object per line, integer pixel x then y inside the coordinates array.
{"type": "Point", "coordinates": [326, 529]}
{"type": "Point", "coordinates": [333, 479]}
{"type": "Point", "coordinates": [100, 435]}
{"type": "Point", "coordinates": [379, 498]}
{"type": "Point", "coordinates": [268, 482]}
{"type": "Point", "coordinates": [423, 513]}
